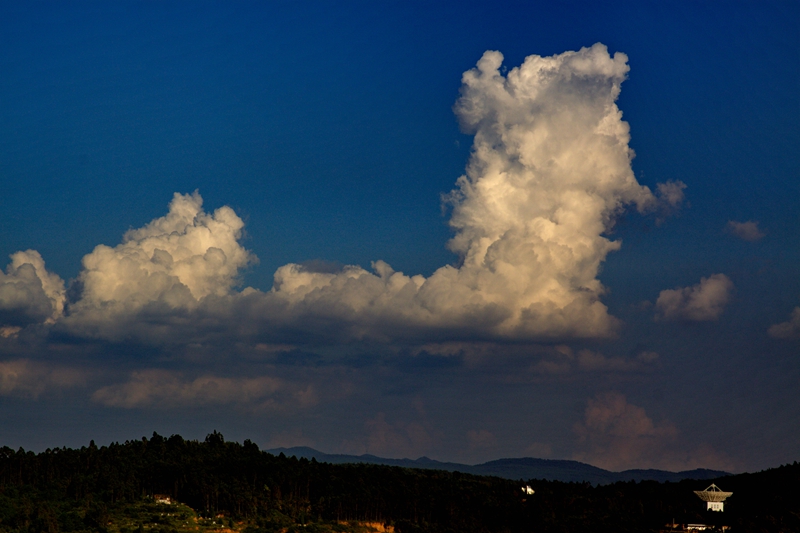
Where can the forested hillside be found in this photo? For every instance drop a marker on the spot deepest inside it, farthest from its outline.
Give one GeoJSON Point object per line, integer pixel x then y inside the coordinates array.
{"type": "Point", "coordinates": [231, 486]}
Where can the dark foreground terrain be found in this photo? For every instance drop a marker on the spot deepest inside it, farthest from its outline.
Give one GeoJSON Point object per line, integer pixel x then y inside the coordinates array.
{"type": "Point", "coordinates": [225, 487]}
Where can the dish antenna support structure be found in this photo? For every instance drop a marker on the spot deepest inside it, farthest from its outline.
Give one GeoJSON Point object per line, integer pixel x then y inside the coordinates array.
{"type": "Point", "coordinates": [714, 497]}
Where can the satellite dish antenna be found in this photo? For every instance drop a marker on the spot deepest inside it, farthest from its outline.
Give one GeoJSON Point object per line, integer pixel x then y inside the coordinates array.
{"type": "Point", "coordinates": [714, 497]}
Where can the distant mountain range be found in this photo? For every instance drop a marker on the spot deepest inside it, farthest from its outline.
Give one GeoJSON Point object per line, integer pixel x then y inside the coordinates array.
{"type": "Point", "coordinates": [522, 468]}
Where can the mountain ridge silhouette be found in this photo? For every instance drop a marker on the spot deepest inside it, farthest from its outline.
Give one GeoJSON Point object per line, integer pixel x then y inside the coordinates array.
{"type": "Point", "coordinates": [512, 468]}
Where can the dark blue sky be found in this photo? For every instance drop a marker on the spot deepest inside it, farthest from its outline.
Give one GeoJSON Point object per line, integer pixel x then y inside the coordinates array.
{"type": "Point", "coordinates": [330, 131]}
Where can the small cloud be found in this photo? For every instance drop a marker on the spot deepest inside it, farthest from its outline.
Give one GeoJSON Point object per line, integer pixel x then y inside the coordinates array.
{"type": "Point", "coordinates": [290, 439]}
{"type": "Point", "coordinates": [8, 332]}
{"type": "Point", "coordinates": [669, 199]}
{"type": "Point", "coordinates": [701, 302]}
{"type": "Point", "coordinates": [155, 388]}
{"type": "Point", "coordinates": [648, 357]}
{"type": "Point", "coordinates": [551, 367]}
{"type": "Point", "coordinates": [747, 231]}
{"type": "Point", "coordinates": [618, 435]}
{"type": "Point", "coordinates": [789, 329]}
{"type": "Point", "coordinates": [480, 439]}
{"type": "Point", "coordinates": [539, 449]}
{"type": "Point", "coordinates": [386, 439]}
{"type": "Point", "coordinates": [30, 379]}
{"type": "Point", "coordinates": [595, 361]}
{"type": "Point", "coordinates": [671, 193]}
{"type": "Point", "coordinates": [274, 348]}
{"type": "Point", "coordinates": [563, 359]}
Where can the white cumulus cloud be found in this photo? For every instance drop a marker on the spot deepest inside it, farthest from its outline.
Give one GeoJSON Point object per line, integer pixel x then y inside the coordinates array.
{"type": "Point", "coordinates": [170, 264]}
{"type": "Point", "coordinates": [701, 302]}
{"type": "Point", "coordinates": [28, 292]}
{"type": "Point", "coordinates": [550, 170]}
{"type": "Point", "coordinates": [178, 258]}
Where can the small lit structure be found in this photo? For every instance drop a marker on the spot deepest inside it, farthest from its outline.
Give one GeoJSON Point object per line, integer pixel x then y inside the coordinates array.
{"type": "Point", "coordinates": [527, 490]}
{"type": "Point", "coordinates": [714, 497]}
{"type": "Point", "coordinates": [162, 498]}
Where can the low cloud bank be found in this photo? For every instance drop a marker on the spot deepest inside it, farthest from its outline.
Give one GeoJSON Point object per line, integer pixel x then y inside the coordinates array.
{"type": "Point", "coordinates": [549, 172]}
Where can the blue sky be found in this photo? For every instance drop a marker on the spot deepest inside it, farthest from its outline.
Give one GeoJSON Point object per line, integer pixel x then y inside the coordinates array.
{"type": "Point", "coordinates": [331, 133]}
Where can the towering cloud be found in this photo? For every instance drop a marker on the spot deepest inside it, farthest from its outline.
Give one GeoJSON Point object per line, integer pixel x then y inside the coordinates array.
{"type": "Point", "coordinates": [704, 301]}
{"type": "Point", "coordinates": [549, 171]}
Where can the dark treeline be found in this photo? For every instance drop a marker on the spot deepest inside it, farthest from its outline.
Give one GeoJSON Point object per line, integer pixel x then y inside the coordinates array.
{"type": "Point", "coordinates": [72, 489]}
